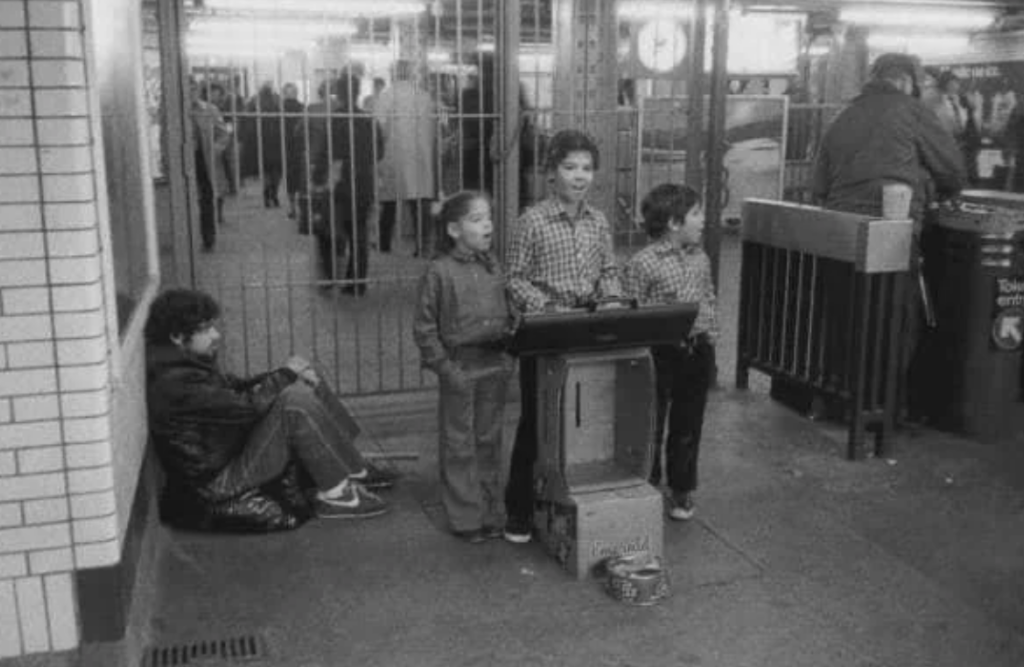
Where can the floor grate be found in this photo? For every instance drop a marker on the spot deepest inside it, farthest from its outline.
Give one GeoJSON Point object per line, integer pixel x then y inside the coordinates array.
{"type": "Point", "coordinates": [232, 649]}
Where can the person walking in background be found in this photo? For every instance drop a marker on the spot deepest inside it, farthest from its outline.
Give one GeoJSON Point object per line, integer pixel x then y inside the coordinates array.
{"type": "Point", "coordinates": [561, 257]}
{"type": "Point", "coordinates": [310, 136]}
{"type": "Point", "coordinates": [958, 115]}
{"type": "Point", "coordinates": [674, 268]}
{"type": "Point", "coordinates": [262, 142]}
{"type": "Point", "coordinates": [478, 107]}
{"type": "Point", "coordinates": [211, 138]}
{"type": "Point", "coordinates": [1015, 148]}
{"type": "Point", "coordinates": [231, 106]}
{"type": "Point", "coordinates": [1004, 101]}
{"type": "Point", "coordinates": [294, 174]}
{"type": "Point", "coordinates": [370, 103]}
{"type": "Point", "coordinates": [351, 150]}
{"type": "Point", "coordinates": [461, 325]}
{"type": "Point", "coordinates": [218, 97]}
{"type": "Point", "coordinates": [408, 118]}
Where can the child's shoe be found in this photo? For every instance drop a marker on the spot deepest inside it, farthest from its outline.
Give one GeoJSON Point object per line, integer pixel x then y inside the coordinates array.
{"type": "Point", "coordinates": [493, 532]}
{"type": "Point", "coordinates": [681, 507]}
{"type": "Point", "coordinates": [518, 531]}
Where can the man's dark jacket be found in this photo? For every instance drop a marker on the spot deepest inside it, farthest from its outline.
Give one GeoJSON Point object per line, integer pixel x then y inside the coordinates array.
{"type": "Point", "coordinates": [199, 417]}
{"type": "Point", "coordinates": [358, 143]}
{"type": "Point", "coordinates": [885, 136]}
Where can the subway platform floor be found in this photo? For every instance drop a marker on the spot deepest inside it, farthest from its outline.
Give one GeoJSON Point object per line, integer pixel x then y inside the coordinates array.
{"type": "Point", "coordinates": [795, 557]}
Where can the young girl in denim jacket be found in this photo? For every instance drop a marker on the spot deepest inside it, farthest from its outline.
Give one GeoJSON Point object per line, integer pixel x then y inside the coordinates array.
{"type": "Point", "coordinates": [462, 321]}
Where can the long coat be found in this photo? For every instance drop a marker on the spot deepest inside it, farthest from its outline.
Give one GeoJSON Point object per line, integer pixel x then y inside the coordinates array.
{"type": "Point", "coordinates": [356, 144]}
{"type": "Point", "coordinates": [261, 136]}
{"type": "Point", "coordinates": [212, 138]}
{"type": "Point", "coordinates": [408, 117]}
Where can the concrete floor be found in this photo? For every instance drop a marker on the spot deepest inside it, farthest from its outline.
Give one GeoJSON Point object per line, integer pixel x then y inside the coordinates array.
{"type": "Point", "coordinates": [796, 557]}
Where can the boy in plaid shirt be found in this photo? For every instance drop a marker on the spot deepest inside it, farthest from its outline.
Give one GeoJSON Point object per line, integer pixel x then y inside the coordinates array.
{"type": "Point", "coordinates": [675, 268]}
{"type": "Point", "coordinates": [560, 258]}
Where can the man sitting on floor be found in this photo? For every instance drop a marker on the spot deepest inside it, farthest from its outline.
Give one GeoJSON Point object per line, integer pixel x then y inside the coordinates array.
{"type": "Point", "coordinates": [236, 450]}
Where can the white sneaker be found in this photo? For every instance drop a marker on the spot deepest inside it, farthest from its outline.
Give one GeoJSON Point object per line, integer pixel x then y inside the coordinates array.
{"type": "Point", "coordinates": [355, 502]}
{"type": "Point", "coordinates": [681, 507]}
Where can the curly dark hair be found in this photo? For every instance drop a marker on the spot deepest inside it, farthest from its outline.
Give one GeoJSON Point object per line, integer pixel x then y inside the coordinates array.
{"type": "Point", "coordinates": [453, 209]}
{"type": "Point", "coordinates": [179, 312]}
{"type": "Point", "coordinates": [668, 201]}
{"type": "Point", "coordinates": [569, 141]}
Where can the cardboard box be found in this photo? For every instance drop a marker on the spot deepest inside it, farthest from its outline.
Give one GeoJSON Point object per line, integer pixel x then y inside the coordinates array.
{"type": "Point", "coordinates": [595, 410]}
{"type": "Point", "coordinates": [582, 529]}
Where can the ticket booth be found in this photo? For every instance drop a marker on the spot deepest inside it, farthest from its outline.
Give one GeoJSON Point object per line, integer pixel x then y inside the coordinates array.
{"type": "Point", "coordinates": [595, 428]}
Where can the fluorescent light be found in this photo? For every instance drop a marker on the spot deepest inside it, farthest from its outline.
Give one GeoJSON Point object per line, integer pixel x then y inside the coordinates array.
{"type": "Point", "coordinates": [776, 9]}
{"type": "Point", "coordinates": [640, 10]}
{"type": "Point", "coordinates": [337, 7]}
{"type": "Point", "coordinates": [897, 17]}
{"type": "Point", "coordinates": [373, 54]}
{"type": "Point", "coordinates": [438, 57]}
{"type": "Point", "coordinates": [196, 48]}
{"type": "Point", "coordinates": [924, 45]}
{"type": "Point", "coordinates": [457, 69]}
{"type": "Point", "coordinates": [259, 30]}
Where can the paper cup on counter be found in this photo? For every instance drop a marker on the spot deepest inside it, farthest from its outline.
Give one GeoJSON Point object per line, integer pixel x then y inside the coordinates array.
{"type": "Point", "coordinates": [896, 201]}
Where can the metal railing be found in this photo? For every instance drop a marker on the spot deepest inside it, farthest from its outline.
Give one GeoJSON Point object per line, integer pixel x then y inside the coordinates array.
{"type": "Point", "coordinates": [821, 306]}
{"type": "Point", "coordinates": [805, 127]}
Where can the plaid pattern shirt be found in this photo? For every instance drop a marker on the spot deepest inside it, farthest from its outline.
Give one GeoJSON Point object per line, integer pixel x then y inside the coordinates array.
{"type": "Point", "coordinates": [556, 260]}
{"type": "Point", "coordinates": [662, 273]}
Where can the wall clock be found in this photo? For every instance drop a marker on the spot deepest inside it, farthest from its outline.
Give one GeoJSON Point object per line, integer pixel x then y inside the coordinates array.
{"type": "Point", "coordinates": [661, 45]}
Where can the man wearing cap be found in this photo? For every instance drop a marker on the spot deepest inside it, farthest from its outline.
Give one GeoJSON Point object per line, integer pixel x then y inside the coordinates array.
{"type": "Point", "coordinates": [888, 135]}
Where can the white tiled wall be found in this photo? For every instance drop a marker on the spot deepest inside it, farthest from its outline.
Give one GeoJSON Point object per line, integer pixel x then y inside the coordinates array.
{"type": "Point", "coordinates": [57, 495]}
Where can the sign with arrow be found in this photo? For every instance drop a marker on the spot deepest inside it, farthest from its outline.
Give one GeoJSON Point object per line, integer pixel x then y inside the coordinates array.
{"type": "Point", "coordinates": [1008, 313]}
{"type": "Point", "coordinates": [1008, 329]}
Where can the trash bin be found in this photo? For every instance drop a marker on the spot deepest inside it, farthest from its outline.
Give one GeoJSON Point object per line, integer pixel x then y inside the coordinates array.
{"type": "Point", "coordinates": [974, 264]}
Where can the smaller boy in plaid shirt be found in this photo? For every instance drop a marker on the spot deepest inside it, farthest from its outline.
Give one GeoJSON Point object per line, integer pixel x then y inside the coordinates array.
{"type": "Point", "coordinates": [673, 267]}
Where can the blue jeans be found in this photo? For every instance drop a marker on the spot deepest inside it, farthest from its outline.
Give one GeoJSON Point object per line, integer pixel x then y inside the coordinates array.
{"type": "Point", "coordinates": [306, 424]}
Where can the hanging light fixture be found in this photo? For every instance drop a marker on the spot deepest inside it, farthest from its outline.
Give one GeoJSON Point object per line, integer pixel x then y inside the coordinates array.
{"type": "Point", "coordinates": [242, 28]}
{"type": "Point", "coordinates": [921, 45]}
{"type": "Point", "coordinates": [950, 18]}
{"type": "Point", "coordinates": [645, 10]}
{"type": "Point", "coordinates": [246, 35]}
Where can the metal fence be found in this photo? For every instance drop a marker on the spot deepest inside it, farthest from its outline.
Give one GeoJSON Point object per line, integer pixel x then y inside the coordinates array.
{"type": "Point", "coordinates": [806, 126]}
{"type": "Point", "coordinates": [315, 171]}
{"type": "Point", "coordinates": [314, 193]}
